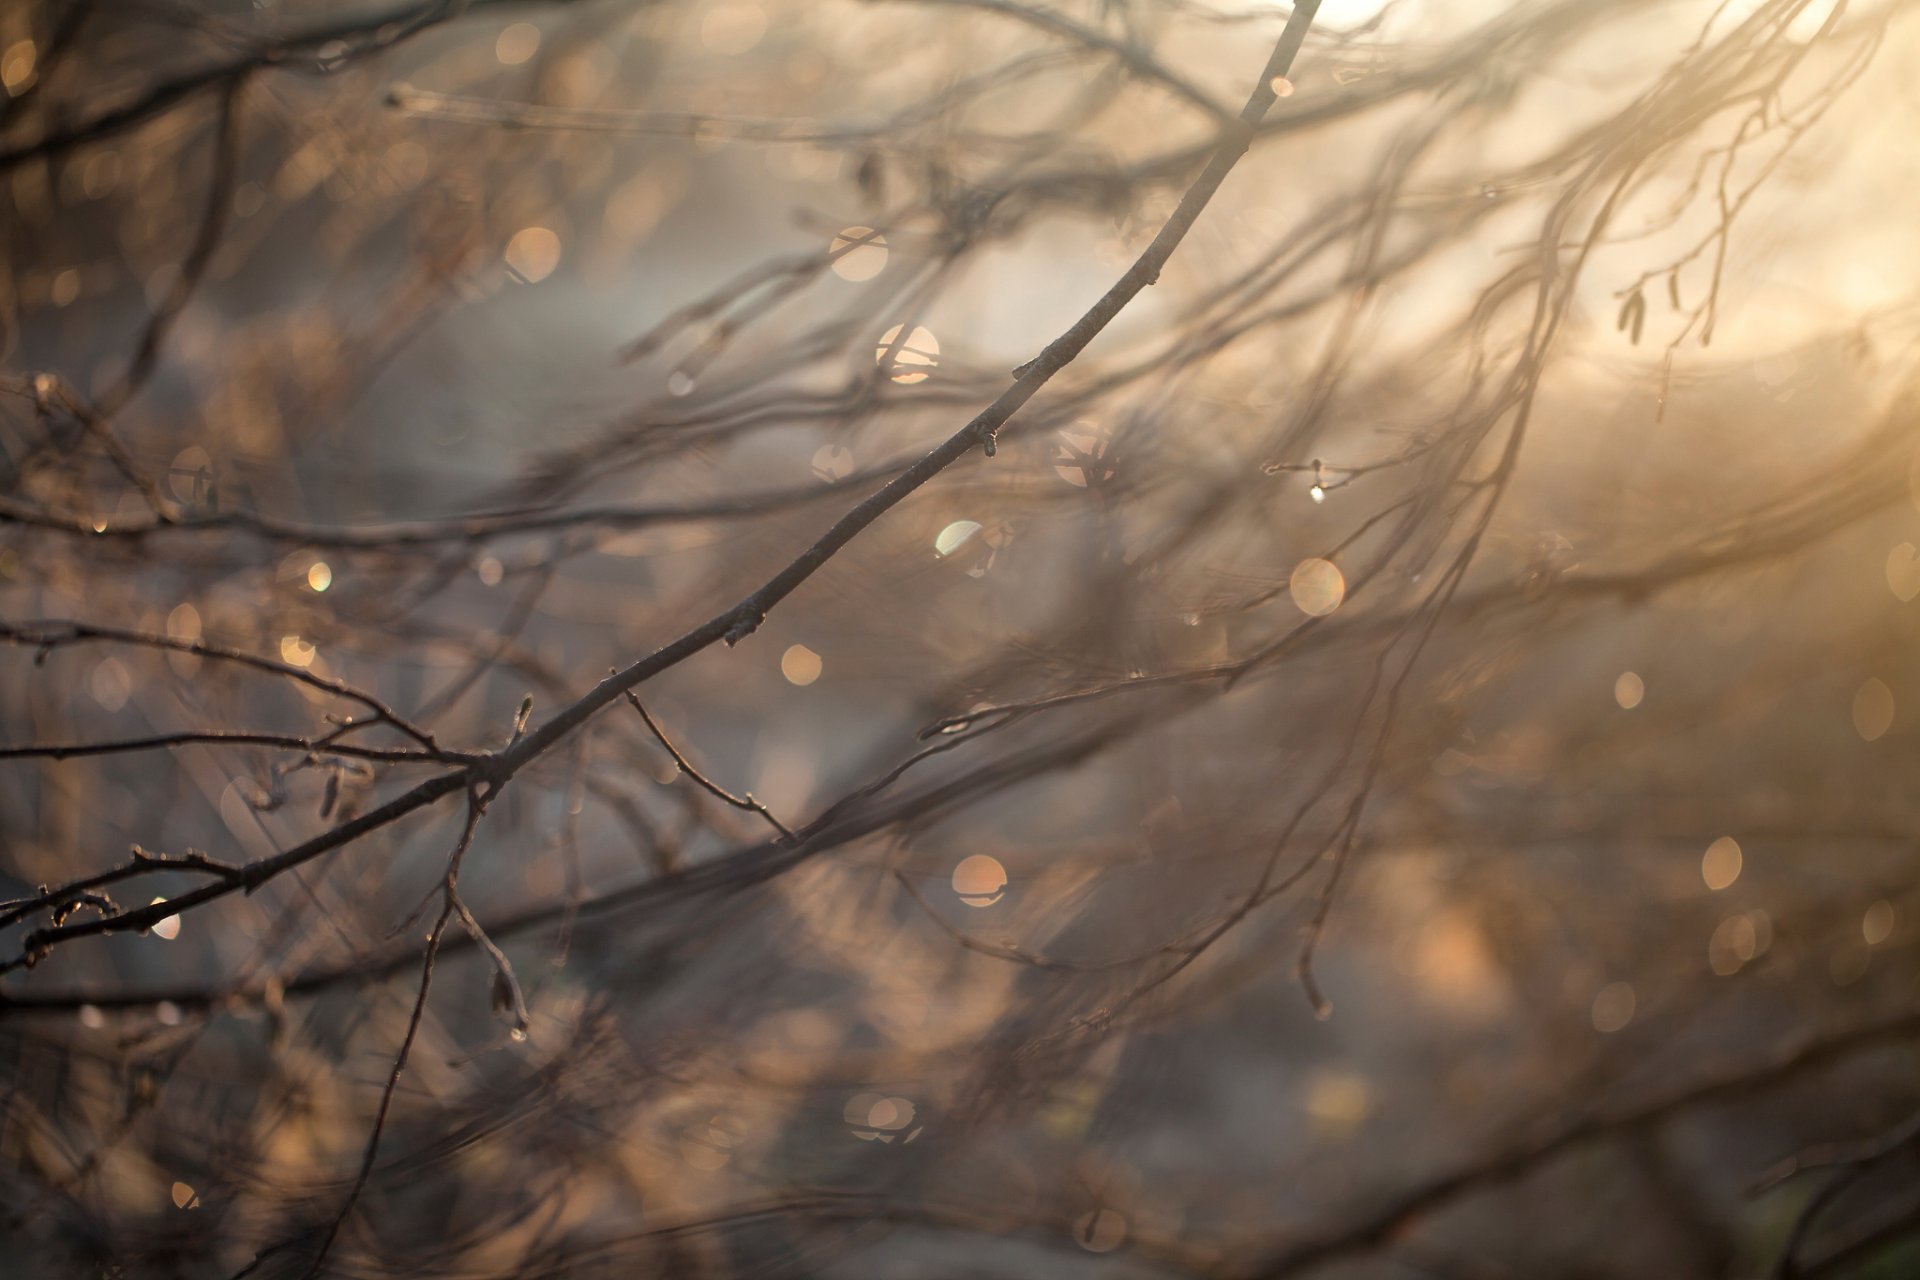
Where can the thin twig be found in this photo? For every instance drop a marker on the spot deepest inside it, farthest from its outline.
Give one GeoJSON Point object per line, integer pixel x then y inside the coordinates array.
{"type": "Point", "coordinates": [712, 788]}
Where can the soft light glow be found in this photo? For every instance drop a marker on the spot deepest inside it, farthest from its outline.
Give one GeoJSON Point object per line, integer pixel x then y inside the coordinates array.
{"type": "Point", "coordinates": [890, 1113]}
{"type": "Point", "coordinates": [733, 27]}
{"type": "Point", "coordinates": [919, 353]}
{"type": "Point", "coordinates": [1079, 454]}
{"type": "Point", "coordinates": [1317, 493]}
{"type": "Point", "coordinates": [184, 622]}
{"type": "Point", "coordinates": [1903, 571]}
{"type": "Point", "coordinates": [1317, 587]}
{"type": "Point", "coordinates": [1720, 865]}
{"type": "Point", "coordinates": [516, 44]}
{"type": "Point", "coordinates": [167, 928]}
{"type": "Point", "coordinates": [1613, 1007]}
{"type": "Point", "coordinates": [800, 665]}
{"type": "Point", "coordinates": [533, 253]}
{"type": "Point", "coordinates": [1339, 1102]}
{"type": "Point", "coordinates": [296, 652]}
{"type": "Point", "coordinates": [954, 537]}
{"type": "Point", "coordinates": [1877, 925]}
{"type": "Point", "coordinates": [111, 684]}
{"type": "Point", "coordinates": [490, 571]}
{"type": "Point", "coordinates": [1733, 944]}
{"type": "Point", "coordinates": [190, 475]}
{"type": "Point", "coordinates": [1101, 1231]}
{"type": "Point", "coordinates": [1628, 690]}
{"type": "Point", "coordinates": [1872, 709]}
{"type": "Point", "coordinates": [832, 462]}
{"type": "Point", "coordinates": [980, 880]}
{"type": "Point", "coordinates": [319, 575]}
{"type": "Point", "coordinates": [18, 67]}
{"type": "Point", "coordinates": [184, 1196]}
{"type": "Point", "coordinates": [1281, 86]}
{"type": "Point", "coordinates": [860, 253]}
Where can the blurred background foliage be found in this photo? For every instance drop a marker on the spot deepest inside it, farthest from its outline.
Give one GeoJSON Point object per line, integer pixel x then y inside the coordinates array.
{"type": "Point", "coordinates": [1398, 765]}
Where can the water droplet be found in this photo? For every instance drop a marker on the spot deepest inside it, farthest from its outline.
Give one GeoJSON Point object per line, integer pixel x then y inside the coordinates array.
{"type": "Point", "coordinates": [1317, 494]}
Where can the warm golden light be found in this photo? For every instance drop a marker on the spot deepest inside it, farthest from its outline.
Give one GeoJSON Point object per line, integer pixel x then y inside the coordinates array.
{"type": "Point", "coordinates": [18, 67]}
{"type": "Point", "coordinates": [111, 684]}
{"type": "Point", "coordinates": [800, 665]}
{"type": "Point", "coordinates": [1080, 454]}
{"type": "Point", "coordinates": [516, 44]}
{"type": "Point", "coordinates": [1903, 571]}
{"type": "Point", "coordinates": [917, 354]}
{"type": "Point", "coordinates": [1872, 709]}
{"type": "Point", "coordinates": [980, 880]}
{"type": "Point", "coordinates": [1628, 690]}
{"type": "Point", "coordinates": [1317, 587]}
{"type": "Point", "coordinates": [1877, 925]}
{"type": "Point", "coordinates": [1735, 941]}
{"type": "Point", "coordinates": [296, 652]}
{"type": "Point", "coordinates": [859, 253]}
{"type": "Point", "coordinates": [1339, 1102]}
{"type": "Point", "coordinates": [319, 575]}
{"type": "Point", "coordinates": [167, 928]}
{"type": "Point", "coordinates": [733, 27]}
{"type": "Point", "coordinates": [184, 622]}
{"type": "Point", "coordinates": [533, 253]}
{"type": "Point", "coordinates": [1720, 865]}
